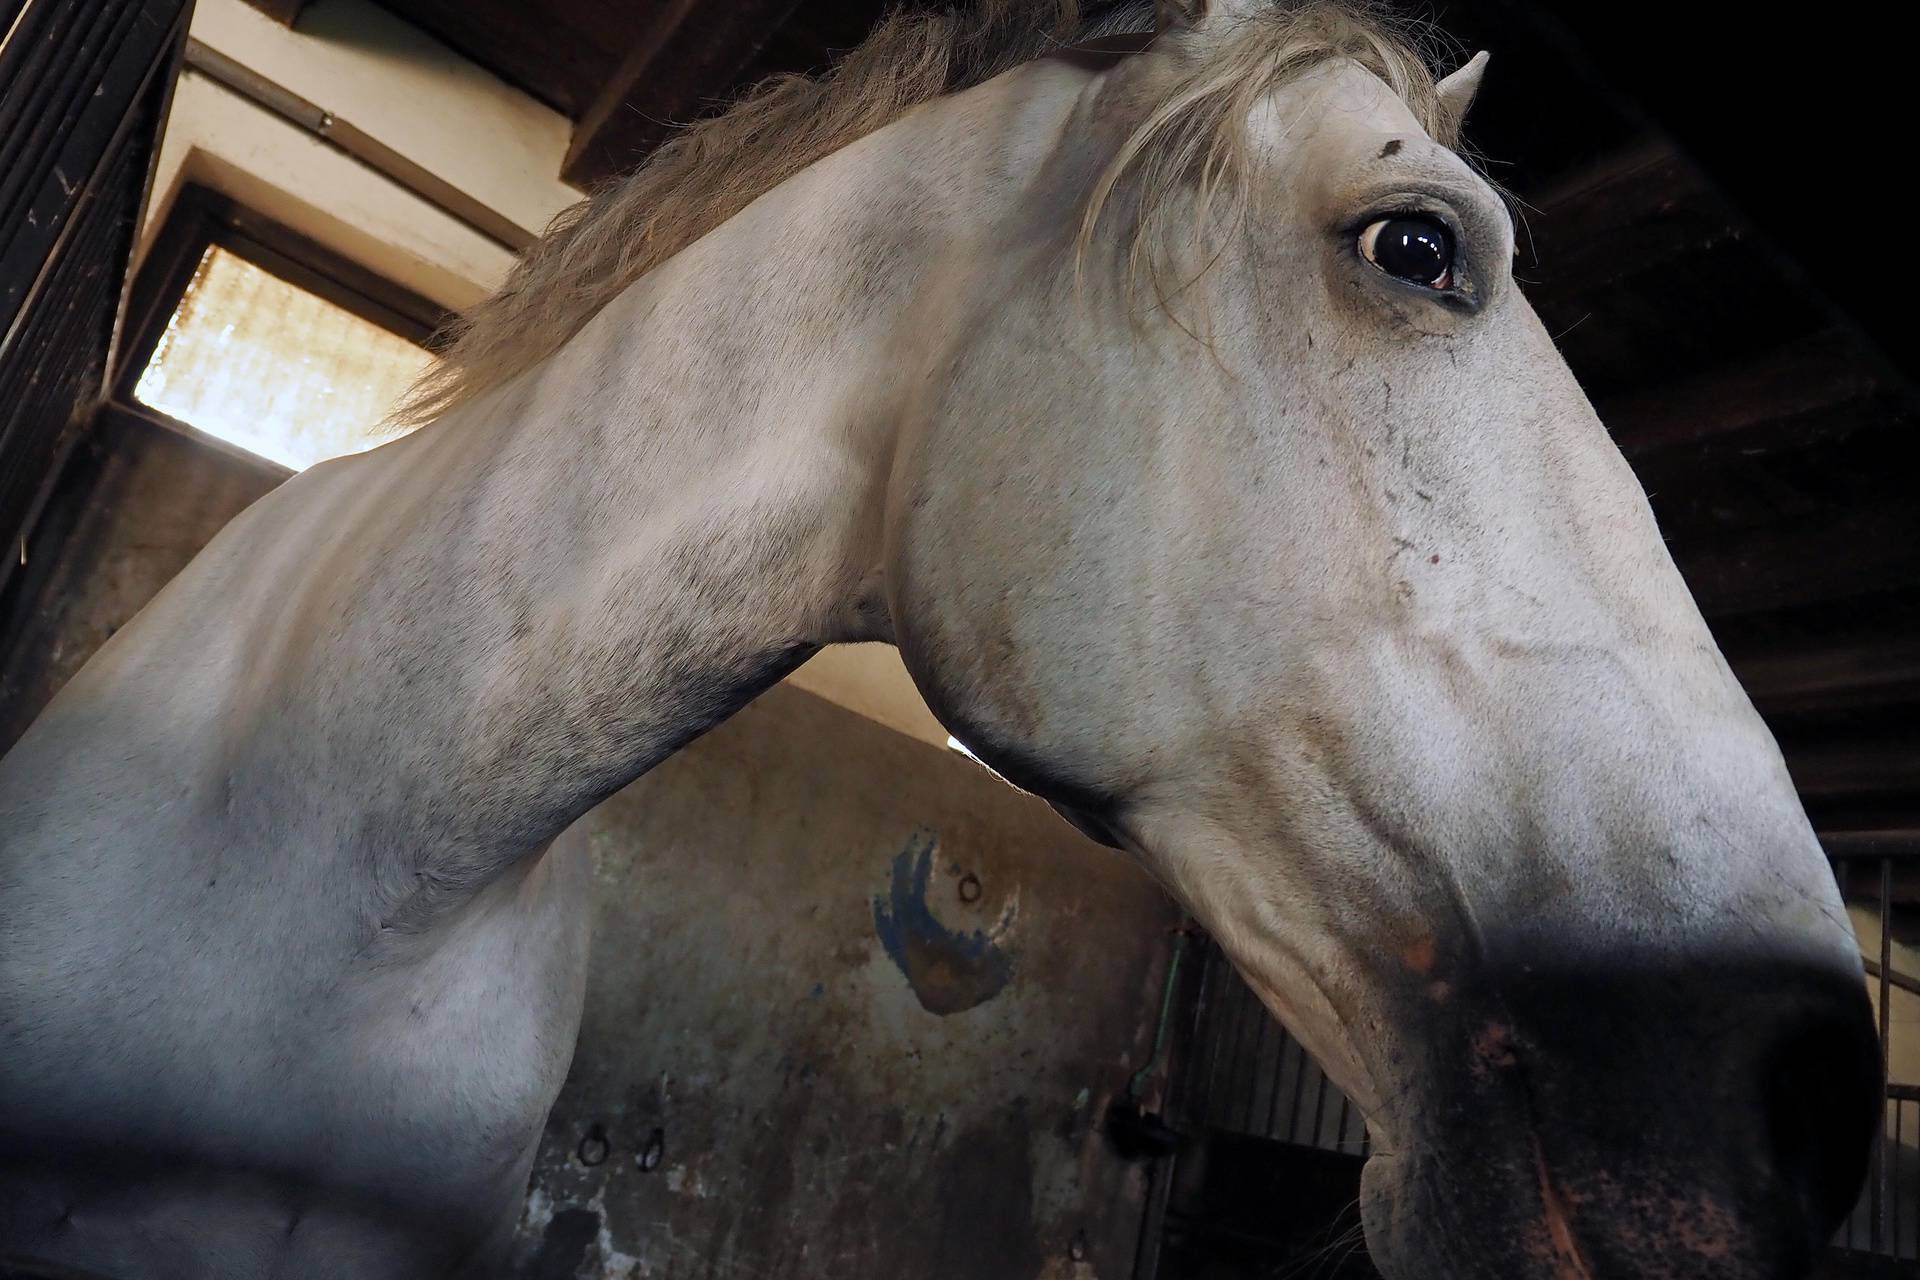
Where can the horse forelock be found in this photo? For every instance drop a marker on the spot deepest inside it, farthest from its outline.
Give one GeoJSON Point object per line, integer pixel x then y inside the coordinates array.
{"type": "Point", "coordinates": [595, 249]}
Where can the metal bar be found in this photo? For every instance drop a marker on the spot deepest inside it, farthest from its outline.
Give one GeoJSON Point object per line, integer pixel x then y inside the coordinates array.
{"type": "Point", "coordinates": [1882, 1183]}
{"type": "Point", "coordinates": [1189, 1074]}
{"type": "Point", "coordinates": [1137, 1085]}
{"type": "Point", "coordinates": [1242, 995]}
{"type": "Point", "coordinates": [1897, 978]}
{"type": "Point", "coordinates": [1289, 1047]}
{"type": "Point", "coordinates": [359, 144]}
{"type": "Point", "coordinates": [1153, 1222]}
{"type": "Point", "coordinates": [1256, 1062]}
{"type": "Point", "coordinates": [1299, 1094]}
{"type": "Point", "coordinates": [1319, 1109]}
{"type": "Point", "coordinates": [14, 19]}
{"type": "Point", "coordinates": [1215, 1034]}
{"type": "Point", "coordinates": [1253, 1016]}
{"type": "Point", "coordinates": [77, 205]}
{"type": "Point", "coordinates": [1843, 872]}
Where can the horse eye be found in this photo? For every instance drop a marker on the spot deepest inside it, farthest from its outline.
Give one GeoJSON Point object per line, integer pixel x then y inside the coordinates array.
{"type": "Point", "coordinates": [1417, 250]}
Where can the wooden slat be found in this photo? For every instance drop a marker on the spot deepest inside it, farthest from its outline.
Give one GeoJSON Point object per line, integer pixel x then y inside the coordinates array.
{"type": "Point", "coordinates": [359, 144]}
{"type": "Point", "coordinates": [686, 55]}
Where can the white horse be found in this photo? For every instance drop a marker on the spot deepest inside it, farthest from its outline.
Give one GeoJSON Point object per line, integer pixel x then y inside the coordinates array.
{"type": "Point", "coordinates": [1175, 412]}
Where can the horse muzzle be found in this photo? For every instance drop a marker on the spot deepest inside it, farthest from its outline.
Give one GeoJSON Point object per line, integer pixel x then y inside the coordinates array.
{"type": "Point", "coordinates": [1710, 1121]}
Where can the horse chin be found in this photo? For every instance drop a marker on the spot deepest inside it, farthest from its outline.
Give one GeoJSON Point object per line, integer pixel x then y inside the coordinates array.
{"type": "Point", "coordinates": [1478, 1217]}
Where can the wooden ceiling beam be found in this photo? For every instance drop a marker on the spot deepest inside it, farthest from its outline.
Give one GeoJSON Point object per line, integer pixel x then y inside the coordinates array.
{"type": "Point", "coordinates": [1825, 371]}
{"type": "Point", "coordinates": [1614, 219]}
{"type": "Point", "coordinates": [1854, 551]}
{"type": "Point", "coordinates": [1832, 674]}
{"type": "Point", "coordinates": [1876, 842]}
{"type": "Point", "coordinates": [689, 56]}
{"type": "Point", "coordinates": [284, 12]}
{"type": "Point", "coordinates": [1819, 210]}
{"type": "Point", "coordinates": [1853, 770]}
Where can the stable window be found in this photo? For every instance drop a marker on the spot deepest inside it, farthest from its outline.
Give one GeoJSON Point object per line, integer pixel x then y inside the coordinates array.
{"type": "Point", "coordinates": [252, 336]}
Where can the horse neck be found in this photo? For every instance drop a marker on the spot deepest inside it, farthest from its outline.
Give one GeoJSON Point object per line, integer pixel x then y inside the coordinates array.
{"type": "Point", "coordinates": [622, 549]}
{"type": "Point", "coordinates": [610, 555]}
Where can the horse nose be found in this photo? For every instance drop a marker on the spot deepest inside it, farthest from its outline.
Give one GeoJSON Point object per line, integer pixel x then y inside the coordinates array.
{"type": "Point", "coordinates": [1666, 1115]}
{"type": "Point", "coordinates": [1820, 1084]}
{"type": "Point", "coordinates": [1750, 1086]}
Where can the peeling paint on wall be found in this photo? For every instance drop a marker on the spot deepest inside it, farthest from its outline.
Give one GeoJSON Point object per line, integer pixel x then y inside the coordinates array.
{"type": "Point", "coordinates": [950, 970]}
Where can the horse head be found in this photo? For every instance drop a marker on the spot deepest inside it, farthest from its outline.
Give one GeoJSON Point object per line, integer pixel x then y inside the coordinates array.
{"type": "Point", "coordinates": [1267, 535]}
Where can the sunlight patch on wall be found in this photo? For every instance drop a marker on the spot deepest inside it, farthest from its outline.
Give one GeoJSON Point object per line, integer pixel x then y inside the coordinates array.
{"type": "Point", "coordinates": [281, 372]}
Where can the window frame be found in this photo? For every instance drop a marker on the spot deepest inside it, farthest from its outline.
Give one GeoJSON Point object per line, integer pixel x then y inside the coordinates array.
{"type": "Point", "coordinates": [201, 218]}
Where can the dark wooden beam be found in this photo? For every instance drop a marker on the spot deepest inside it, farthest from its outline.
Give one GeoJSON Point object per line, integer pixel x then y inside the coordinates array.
{"type": "Point", "coordinates": [1832, 674]}
{"type": "Point", "coordinates": [1849, 552]}
{"type": "Point", "coordinates": [1854, 770]}
{"type": "Point", "coordinates": [1675, 63]}
{"type": "Point", "coordinates": [1811, 375]}
{"type": "Point", "coordinates": [285, 12]}
{"type": "Point", "coordinates": [687, 59]}
{"type": "Point", "coordinates": [1614, 219]}
{"type": "Point", "coordinates": [560, 51]}
{"type": "Point", "coordinates": [1880, 842]}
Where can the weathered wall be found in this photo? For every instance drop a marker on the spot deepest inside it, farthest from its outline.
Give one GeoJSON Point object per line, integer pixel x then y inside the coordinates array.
{"type": "Point", "coordinates": [872, 1000]}
{"type": "Point", "coordinates": [853, 1071]}
{"type": "Point", "coordinates": [132, 508]}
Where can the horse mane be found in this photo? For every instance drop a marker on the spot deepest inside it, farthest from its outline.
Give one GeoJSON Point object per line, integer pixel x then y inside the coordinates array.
{"type": "Point", "coordinates": [711, 170]}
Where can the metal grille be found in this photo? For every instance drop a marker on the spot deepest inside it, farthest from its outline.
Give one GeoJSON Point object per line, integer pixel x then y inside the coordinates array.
{"type": "Point", "coordinates": [1885, 1226]}
{"type": "Point", "coordinates": [1247, 1075]}
{"type": "Point", "coordinates": [83, 89]}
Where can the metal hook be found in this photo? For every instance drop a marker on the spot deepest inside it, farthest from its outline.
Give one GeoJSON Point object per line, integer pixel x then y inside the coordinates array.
{"type": "Point", "coordinates": [649, 1157]}
{"type": "Point", "coordinates": [594, 1147]}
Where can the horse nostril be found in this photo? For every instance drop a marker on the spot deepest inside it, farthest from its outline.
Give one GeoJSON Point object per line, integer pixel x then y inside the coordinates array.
{"type": "Point", "coordinates": [1821, 1086]}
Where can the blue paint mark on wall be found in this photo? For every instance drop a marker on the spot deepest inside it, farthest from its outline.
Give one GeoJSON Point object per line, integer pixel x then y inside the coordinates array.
{"type": "Point", "coordinates": [949, 970]}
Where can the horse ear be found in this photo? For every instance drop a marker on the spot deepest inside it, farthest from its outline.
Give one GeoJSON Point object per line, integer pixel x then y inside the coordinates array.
{"type": "Point", "coordinates": [1457, 90]}
{"type": "Point", "coordinates": [1186, 15]}
{"type": "Point", "coordinates": [1173, 15]}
